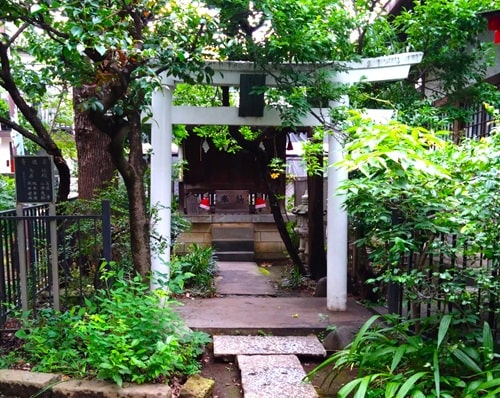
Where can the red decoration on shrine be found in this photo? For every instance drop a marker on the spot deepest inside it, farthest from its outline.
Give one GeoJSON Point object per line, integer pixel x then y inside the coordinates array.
{"type": "Point", "coordinates": [260, 203]}
{"type": "Point", "coordinates": [205, 203]}
{"type": "Point", "coordinates": [496, 37]}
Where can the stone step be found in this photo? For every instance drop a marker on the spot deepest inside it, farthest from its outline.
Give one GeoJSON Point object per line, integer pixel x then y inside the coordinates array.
{"type": "Point", "coordinates": [235, 255]}
{"type": "Point", "coordinates": [273, 376]}
{"type": "Point", "coordinates": [226, 346]}
{"type": "Point", "coordinates": [232, 233]}
{"type": "Point", "coordinates": [233, 245]}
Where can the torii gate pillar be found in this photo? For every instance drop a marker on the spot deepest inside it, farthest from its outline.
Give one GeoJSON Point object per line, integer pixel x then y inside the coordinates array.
{"type": "Point", "coordinates": [161, 181]}
{"type": "Point", "coordinates": [336, 226]}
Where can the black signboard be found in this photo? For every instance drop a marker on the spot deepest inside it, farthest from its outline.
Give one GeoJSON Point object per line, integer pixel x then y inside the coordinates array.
{"type": "Point", "coordinates": [34, 179]}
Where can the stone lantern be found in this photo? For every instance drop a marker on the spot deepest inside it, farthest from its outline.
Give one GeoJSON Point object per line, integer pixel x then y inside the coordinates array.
{"type": "Point", "coordinates": [301, 212]}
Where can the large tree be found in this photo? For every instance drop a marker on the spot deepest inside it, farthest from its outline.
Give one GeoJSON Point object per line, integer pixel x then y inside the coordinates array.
{"type": "Point", "coordinates": [113, 56]}
{"type": "Point", "coordinates": [449, 82]}
{"type": "Point", "coordinates": [275, 34]}
{"type": "Point", "coordinates": [443, 90]}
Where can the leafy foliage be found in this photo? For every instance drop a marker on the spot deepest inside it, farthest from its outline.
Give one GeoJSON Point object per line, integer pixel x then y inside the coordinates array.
{"type": "Point", "coordinates": [194, 270]}
{"type": "Point", "coordinates": [126, 333]}
{"type": "Point", "coordinates": [7, 193]}
{"type": "Point", "coordinates": [442, 358]}
{"type": "Point", "coordinates": [412, 192]}
{"type": "Point", "coordinates": [453, 67]}
{"type": "Point", "coordinates": [117, 196]}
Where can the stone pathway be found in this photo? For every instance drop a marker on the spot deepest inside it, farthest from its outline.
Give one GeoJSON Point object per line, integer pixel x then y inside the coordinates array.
{"type": "Point", "coordinates": [273, 376]}
{"type": "Point", "coordinates": [225, 346]}
{"type": "Point", "coordinates": [238, 278]}
{"type": "Point", "coordinates": [263, 334]}
{"type": "Point", "coordinates": [269, 365]}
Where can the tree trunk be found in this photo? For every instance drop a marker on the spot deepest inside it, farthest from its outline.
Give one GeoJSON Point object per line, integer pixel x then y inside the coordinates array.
{"type": "Point", "coordinates": [139, 225]}
{"type": "Point", "coordinates": [132, 169]}
{"type": "Point", "coordinates": [64, 177]}
{"type": "Point", "coordinates": [95, 166]}
{"type": "Point", "coordinates": [316, 238]}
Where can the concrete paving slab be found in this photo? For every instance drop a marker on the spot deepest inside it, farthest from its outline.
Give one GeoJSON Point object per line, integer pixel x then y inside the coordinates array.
{"type": "Point", "coordinates": [225, 346]}
{"type": "Point", "coordinates": [243, 278]}
{"type": "Point", "coordinates": [273, 376]}
{"type": "Point", "coordinates": [274, 315]}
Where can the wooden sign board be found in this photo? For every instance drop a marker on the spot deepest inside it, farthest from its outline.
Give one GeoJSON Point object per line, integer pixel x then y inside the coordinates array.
{"type": "Point", "coordinates": [231, 201]}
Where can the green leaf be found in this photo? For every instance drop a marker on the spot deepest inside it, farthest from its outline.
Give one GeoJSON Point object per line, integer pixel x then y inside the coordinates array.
{"type": "Point", "coordinates": [363, 387]}
{"type": "Point", "coordinates": [101, 49]}
{"type": "Point", "coordinates": [488, 343]}
{"type": "Point", "coordinates": [391, 388]}
{"type": "Point", "coordinates": [490, 383]}
{"type": "Point", "coordinates": [362, 331]}
{"type": "Point", "coordinates": [398, 355]}
{"type": "Point", "coordinates": [348, 388]}
{"type": "Point", "coordinates": [409, 384]}
{"type": "Point", "coordinates": [36, 8]}
{"type": "Point", "coordinates": [466, 360]}
{"type": "Point", "coordinates": [443, 328]}
{"type": "Point", "coordinates": [493, 394]}
{"type": "Point", "coordinates": [437, 380]}
{"type": "Point", "coordinates": [117, 379]}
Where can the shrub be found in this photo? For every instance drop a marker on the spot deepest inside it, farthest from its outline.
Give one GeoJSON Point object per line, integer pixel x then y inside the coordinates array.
{"type": "Point", "coordinates": [423, 210]}
{"type": "Point", "coordinates": [127, 333]}
{"type": "Point", "coordinates": [7, 193]}
{"type": "Point", "coordinates": [195, 270]}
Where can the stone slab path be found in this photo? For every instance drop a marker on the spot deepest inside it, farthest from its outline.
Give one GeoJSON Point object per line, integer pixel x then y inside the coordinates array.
{"type": "Point", "coordinates": [239, 278]}
{"type": "Point", "coordinates": [273, 376]}
{"type": "Point", "coordinates": [269, 365]}
{"type": "Point", "coordinates": [225, 346]}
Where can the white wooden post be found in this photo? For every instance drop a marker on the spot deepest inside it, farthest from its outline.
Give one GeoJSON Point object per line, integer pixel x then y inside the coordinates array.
{"type": "Point", "coordinates": [336, 253]}
{"type": "Point", "coordinates": [161, 180]}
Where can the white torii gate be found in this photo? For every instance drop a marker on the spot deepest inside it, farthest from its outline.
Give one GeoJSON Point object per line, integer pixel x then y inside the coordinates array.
{"type": "Point", "coordinates": [387, 68]}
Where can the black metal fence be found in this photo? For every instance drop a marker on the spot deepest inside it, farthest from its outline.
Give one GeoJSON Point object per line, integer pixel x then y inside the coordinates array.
{"type": "Point", "coordinates": [452, 278]}
{"type": "Point", "coordinates": [37, 247]}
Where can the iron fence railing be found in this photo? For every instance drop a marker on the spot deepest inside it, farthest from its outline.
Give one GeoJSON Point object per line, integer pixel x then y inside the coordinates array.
{"type": "Point", "coordinates": [451, 278]}
{"type": "Point", "coordinates": [33, 254]}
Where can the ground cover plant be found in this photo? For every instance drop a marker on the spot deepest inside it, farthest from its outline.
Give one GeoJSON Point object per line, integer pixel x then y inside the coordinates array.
{"type": "Point", "coordinates": [445, 357]}
{"type": "Point", "coordinates": [194, 271]}
{"type": "Point", "coordinates": [125, 333]}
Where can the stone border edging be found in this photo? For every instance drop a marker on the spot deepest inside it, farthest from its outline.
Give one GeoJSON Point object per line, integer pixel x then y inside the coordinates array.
{"type": "Point", "coordinates": [20, 383]}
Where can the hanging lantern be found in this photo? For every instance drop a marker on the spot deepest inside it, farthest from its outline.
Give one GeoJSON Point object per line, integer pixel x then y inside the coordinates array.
{"type": "Point", "coordinates": [260, 203]}
{"type": "Point", "coordinates": [205, 203]}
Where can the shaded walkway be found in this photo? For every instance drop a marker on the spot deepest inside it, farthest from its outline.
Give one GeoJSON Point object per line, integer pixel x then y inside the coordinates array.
{"type": "Point", "coordinates": [246, 304]}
